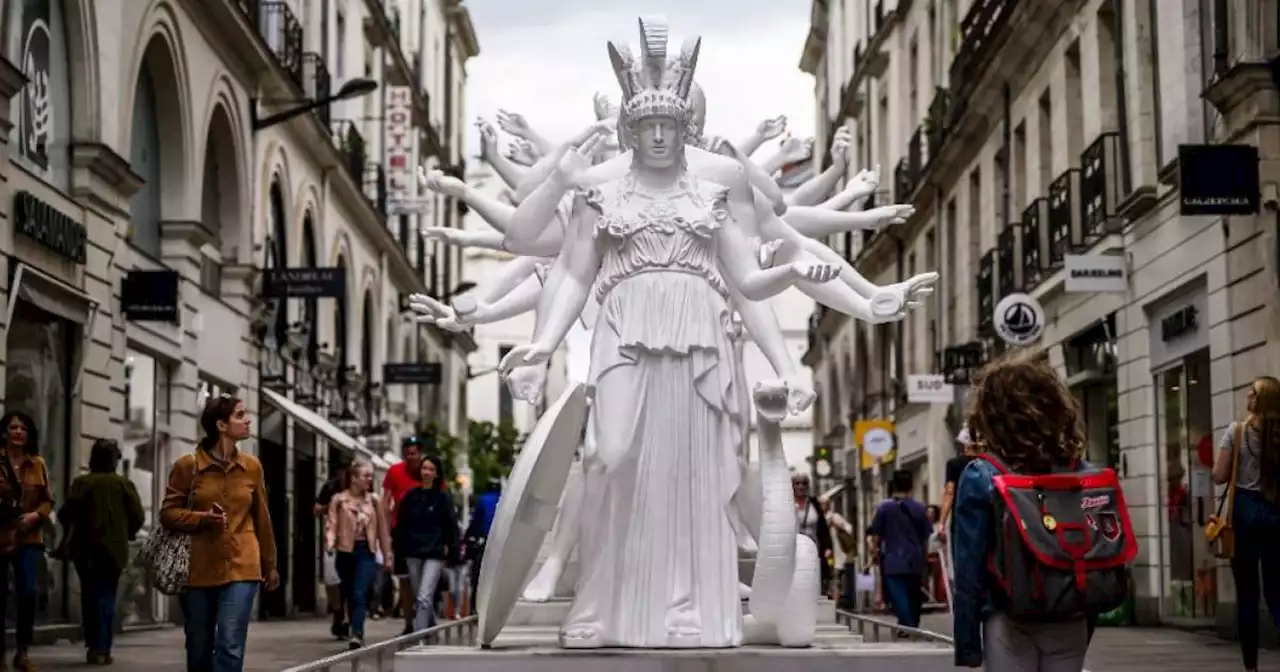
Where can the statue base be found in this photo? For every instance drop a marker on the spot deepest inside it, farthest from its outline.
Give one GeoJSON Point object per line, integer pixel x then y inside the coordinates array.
{"type": "Point", "coordinates": [553, 612]}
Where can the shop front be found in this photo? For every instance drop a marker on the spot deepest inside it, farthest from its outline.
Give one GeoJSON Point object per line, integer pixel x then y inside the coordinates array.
{"type": "Point", "coordinates": [1180, 369]}
{"type": "Point", "coordinates": [1089, 359]}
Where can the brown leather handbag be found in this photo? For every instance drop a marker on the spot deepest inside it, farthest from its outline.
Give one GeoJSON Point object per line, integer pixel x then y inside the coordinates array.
{"type": "Point", "coordinates": [1218, 531]}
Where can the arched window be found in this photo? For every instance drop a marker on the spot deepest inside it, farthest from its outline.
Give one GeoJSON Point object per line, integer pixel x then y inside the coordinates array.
{"type": "Point", "coordinates": [219, 201]}
{"type": "Point", "coordinates": [144, 159]}
{"type": "Point", "coordinates": [311, 307]}
{"type": "Point", "coordinates": [276, 255]}
{"type": "Point", "coordinates": [37, 42]}
{"type": "Point", "coordinates": [366, 355]}
{"type": "Point", "coordinates": [340, 327]}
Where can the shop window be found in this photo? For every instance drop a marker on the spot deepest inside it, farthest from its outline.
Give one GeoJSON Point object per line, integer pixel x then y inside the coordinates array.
{"type": "Point", "coordinates": [147, 455]}
{"type": "Point", "coordinates": [37, 42]}
{"type": "Point", "coordinates": [39, 377]}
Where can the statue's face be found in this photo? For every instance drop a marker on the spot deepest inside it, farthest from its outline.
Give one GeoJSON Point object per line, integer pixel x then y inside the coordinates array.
{"type": "Point", "coordinates": [659, 142]}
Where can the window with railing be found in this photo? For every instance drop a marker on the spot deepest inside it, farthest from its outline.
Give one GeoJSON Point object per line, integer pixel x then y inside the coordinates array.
{"type": "Point", "coordinates": [1009, 266]}
{"type": "Point", "coordinates": [1064, 216]}
{"type": "Point", "coordinates": [986, 292]}
{"type": "Point", "coordinates": [1034, 243]}
{"type": "Point", "coordinates": [1101, 188]}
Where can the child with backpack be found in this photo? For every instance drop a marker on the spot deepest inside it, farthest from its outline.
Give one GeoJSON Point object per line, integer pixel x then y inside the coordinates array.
{"type": "Point", "coordinates": [1042, 539]}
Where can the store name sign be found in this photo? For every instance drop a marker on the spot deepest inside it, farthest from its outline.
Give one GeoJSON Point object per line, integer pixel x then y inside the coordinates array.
{"type": "Point", "coordinates": [929, 389]}
{"type": "Point", "coordinates": [311, 283]}
{"type": "Point", "coordinates": [399, 142]}
{"type": "Point", "coordinates": [50, 227]}
{"type": "Point", "coordinates": [1218, 180]}
{"type": "Point", "coordinates": [1096, 273]}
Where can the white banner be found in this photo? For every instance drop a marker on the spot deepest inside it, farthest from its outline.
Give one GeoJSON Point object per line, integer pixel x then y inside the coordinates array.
{"type": "Point", "coordinates": [1096, 273]}
{"type": "Point", "coordinates": [929, 389]}
{"type": "Point", "coordinates": [399, 129]}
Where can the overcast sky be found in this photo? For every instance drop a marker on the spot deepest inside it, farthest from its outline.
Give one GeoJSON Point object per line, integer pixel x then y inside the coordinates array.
{"type": "Point", "coordinates": [546, 58]}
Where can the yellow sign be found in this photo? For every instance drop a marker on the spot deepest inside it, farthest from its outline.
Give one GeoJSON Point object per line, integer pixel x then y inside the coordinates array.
{"type": "Point", "coordinates": [875, 442]}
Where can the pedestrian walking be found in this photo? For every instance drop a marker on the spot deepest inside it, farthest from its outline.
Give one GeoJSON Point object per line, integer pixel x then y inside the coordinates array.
{"type": "Point", "coordinates": [329, 569]}
{"type": "Point", "coordinates": [428, 537]}
{"type": "Point", "coordinates": [353, 530]}
{"type": "Point", "coordinates": [401, 478]}
{"type": "Point", "coordinates": [1248, 462]}
{"type": "Point", "coordinates": [102, 514]}
{"type": "Point", "coordinates": [900, 532]}
{"type": "Point", "coordinates": [218, 496]}
{"type": "Point", "coordinates": [811, 521]}
{"type": "Point", "coordinates": [25, 504]}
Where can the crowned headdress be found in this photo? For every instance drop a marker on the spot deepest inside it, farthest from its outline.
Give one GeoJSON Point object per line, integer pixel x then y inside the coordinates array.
{"type": "Point", "coordinates": [655, 85]}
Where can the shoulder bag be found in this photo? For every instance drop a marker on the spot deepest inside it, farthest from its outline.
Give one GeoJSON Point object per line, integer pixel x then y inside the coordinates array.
{"type": "Point", "coordinates": [1218, 531]}
{"type": "Point", "coordinates": [167, 554]}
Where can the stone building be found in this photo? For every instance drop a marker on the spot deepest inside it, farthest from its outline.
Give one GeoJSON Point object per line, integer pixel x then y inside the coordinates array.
{"type": "Point", "coordinates": [197, 200]}
{"type": "Point", "coordinates": [1040, 143]}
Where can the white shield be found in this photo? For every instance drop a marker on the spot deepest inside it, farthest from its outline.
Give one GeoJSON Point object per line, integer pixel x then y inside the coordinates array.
{"type": "Point", "coordinates": [528, 509]}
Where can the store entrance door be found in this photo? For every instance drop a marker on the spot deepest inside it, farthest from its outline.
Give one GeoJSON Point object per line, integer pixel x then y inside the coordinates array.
{"type": "Point", "coordinates": [1185, 426]}
{"type": "Point", "coordinates": [303, 557]}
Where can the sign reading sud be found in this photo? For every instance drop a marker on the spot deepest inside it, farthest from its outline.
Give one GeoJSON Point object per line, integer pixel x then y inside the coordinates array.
{"type": "Point", "coordinates": [929, 389]}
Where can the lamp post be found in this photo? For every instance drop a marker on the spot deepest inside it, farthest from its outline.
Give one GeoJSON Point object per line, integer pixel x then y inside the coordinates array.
{"type": "Point", "coordinates": [354, 88]}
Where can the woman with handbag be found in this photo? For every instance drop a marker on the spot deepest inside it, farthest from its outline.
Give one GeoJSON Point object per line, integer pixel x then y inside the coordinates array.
{"type": "Point", "coordinates": [26, 501]}
{"type": "Point", "coordinates": [218, 497]}
{"type": "Point", "coordinates": [101, 515]}
{"type": "Point", "coordinates": [354, 534]}
{"type": "Point", "coordinates": [1249, 463]}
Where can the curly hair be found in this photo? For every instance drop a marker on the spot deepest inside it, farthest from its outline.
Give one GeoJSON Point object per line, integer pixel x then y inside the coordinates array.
{"type": "Point", "coordinates": [1021, 411]}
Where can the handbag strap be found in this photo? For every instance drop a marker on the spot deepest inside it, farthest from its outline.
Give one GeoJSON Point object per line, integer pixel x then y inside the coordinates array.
{"type": "Point", "coordinates": [195, 473]}
{"type": "Point", "coordinates": [1228, 503]}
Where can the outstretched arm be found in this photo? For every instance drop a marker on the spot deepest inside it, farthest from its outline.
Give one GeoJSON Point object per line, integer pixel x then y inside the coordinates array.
{"type": "Point", "coordinates": [513, 274]}
{"type": "Point", "coordinates": [815, 190]}
{"type": "Point", "coordinates": [569, 283]}
{"type": "Point", "coordinates": [518, 301]}
{"type": "Point", "coordinates": [506, 169]}
{"type": "Point", "coordinates": [820, 223]}
{"type": "Point", "coordinates": [764, 132]}
{"type": "Point", "coordinates": [855, 194]}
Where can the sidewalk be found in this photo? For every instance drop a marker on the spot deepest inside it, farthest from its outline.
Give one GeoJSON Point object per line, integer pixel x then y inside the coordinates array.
{"type": "Point", "coordinates": [273, 646]}
{"type": "Point", "coordinates": [1151, 650]}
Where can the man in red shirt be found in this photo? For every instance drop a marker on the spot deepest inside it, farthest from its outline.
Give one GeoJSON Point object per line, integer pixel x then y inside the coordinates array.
{"type": "Point", "coordinates": [400, 479]}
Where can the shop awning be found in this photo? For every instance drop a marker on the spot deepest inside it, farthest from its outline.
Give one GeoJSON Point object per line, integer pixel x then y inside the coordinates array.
{"type": "Point", "coordinates": [320, 426]}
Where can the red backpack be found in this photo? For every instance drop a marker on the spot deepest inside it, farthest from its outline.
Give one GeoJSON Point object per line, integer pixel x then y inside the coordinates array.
{"type": "Point", "coordinates": [1062, 543]}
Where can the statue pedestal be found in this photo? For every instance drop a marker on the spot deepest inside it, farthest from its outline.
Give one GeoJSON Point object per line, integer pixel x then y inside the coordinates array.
{"type": "Point", "coordinates": [553, 612]}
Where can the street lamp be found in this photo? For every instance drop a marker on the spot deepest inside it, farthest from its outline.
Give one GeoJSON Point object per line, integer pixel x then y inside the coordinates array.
{"type": "Point", "coordinates": [354, 88]}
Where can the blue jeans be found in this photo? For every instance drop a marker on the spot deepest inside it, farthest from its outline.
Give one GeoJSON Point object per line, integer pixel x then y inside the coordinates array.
{"type": "Point", "coordinates": [98, 587]}
{"type": "Point", "coordinates": [906, 601]}
{"type": "Point", "coordinates": [217, 625]}
{"type": "Point", "coordinates": [25, 562]}
{"type": "Point", "coordinates": [357, 570]}
{"type": "Point", "coordinates": [1257, 525]}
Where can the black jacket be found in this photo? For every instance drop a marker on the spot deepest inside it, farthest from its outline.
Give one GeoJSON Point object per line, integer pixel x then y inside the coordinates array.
{"type": "Point", "coordinates": [426, 525]}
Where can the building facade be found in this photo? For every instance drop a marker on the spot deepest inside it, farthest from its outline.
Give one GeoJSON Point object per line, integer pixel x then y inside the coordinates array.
{"type": "Point", "coordinates": [187, 212]}
{"type": "Point", "coordinates": [1039, 142]}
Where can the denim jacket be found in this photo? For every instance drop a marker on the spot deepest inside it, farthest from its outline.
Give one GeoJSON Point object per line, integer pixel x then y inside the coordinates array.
{"type": "Point", "coordinates": [971, 539]}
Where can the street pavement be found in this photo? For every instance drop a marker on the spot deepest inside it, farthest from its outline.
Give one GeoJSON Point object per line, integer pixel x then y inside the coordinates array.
{"type": "Point", "coordinates": [1151, 650]}
{"type": "Point", "coordinates": [273, 646]}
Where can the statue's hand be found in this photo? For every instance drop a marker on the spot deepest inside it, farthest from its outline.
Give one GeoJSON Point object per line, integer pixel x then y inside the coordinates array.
{"type": "Point", "coordinates": [527, 382]}
{"type": "Point", "coordinates": [891, 303]}
{"type": "Point", "coordinates": [771, 398]}
{"type": "Point", "coordinates": [441, 234]}
{"type": "Point", "coordinates": [864, 183]}
{"type": "Point", "coordinates": [766, 253]}
{"type": "Point", "coordinates": [488, 139]}
{"type": "Point", "coordinates": [530, 354]}
{"type": "Point", "coordinates": [892, 214]}
{"type": "Point", "coordinates": [813, 271]}
{"type": "Point", "coordinates": [575, 162]}
{"type": "Point", "coordinates": [840, 146]}
{"type": "Point", "coordinates": [800, 394]}
{"type": "Point", "coordinates": [718, 145]}
{"type": "Point", "coordinates": [604, 107]}
{"type": "Point", "coordinates": [514, 123]}
{"type": "Point", "coordinates": [772, 128]}
{"type": "Point", "coordinates": [794, 149]}
{"type": "Point", "coordinates": [440, 183]}
{"type": "Point", "coordinates": [427, 309]}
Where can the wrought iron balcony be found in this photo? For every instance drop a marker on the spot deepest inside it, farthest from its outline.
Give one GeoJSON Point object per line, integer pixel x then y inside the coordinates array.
{"type": "Point", "coordinates": [317, 84]}
{"type": "Point", "coordinates": [904, 184]}
{"type": "Point", "coordinates": [1101, 188]}
{"type": "Point", "coordinates": [1035, 243]}
{"type": "Point", "coordinates": [1064, 216]}
{"type": "Point", "coordinates": [938, 122]}
{"type": "Point", "coordinates": [986, 291]}
{"type": "Point", "coordinates": [981, 26]}
{"type": "Point", "coordinates": [1009, 257]}
{"type": "Point", "coordinates": [878, 16]}
{"type": "Point", "coordinates": [282, 32]}
{"type": "Point", "coordinates": [349, 141]}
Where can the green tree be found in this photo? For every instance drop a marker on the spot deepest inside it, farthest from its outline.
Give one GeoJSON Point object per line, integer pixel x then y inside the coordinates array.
{"type": "Point", "coordinates": [439, 442]}
{"type": "Point", "coordinates": [491, 452]}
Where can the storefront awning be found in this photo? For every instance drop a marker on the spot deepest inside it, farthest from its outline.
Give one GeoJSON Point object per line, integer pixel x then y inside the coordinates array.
{"type": "Point", "coordinates": [320, 426]}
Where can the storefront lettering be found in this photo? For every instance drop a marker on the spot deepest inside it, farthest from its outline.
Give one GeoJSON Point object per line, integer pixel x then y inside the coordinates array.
{"type": "Point", "coordinates": [50, 227]}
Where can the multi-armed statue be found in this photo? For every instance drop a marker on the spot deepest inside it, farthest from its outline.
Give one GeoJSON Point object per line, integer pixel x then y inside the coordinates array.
{"type": "Point", "coordinates": [651, 251]}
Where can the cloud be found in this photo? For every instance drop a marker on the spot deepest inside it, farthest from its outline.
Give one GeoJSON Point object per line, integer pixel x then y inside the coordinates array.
{"type": "Point", "coordinates": [547, 64]}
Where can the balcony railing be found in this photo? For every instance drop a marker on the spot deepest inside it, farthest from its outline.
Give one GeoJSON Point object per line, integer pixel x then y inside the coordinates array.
{"type": "Point", "coordinates": [283, 34]}
{"type": "Point", "coordinates": [318, 84]}
{"type": "Point", "coordinates": [1064, 216]}
{"type": "Point", "coordinates": [1035, 243]}
{"type": "Point", "coordinates": [349, 141]}
{"type": "Point", "coordinates": [1009, 267]}
{"type": "Point", "coordinates": [983, 22]}
{"type": "Point", "coordinates": [986, 291]}
{"type": "Point", "coordinates": [1101, 188]}
{"type": "Point", "coordinates": [938, 122]}
{"type": "Point", "coordinates": [878, 16]}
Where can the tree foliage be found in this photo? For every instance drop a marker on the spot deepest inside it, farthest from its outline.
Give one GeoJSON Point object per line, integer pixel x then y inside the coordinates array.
{"type": "Point", "coordinates": [491, 452]}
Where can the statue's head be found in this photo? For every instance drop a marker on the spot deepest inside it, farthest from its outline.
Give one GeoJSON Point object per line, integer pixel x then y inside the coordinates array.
{"type": "Point", "coordinates": [657, 114]}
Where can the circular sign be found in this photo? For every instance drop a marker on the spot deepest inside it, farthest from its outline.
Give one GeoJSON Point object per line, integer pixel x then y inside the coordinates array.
{"type": "Point", "coordinates": [823, 468]}
{"type": "Point", "coordinates": [877, 442]}
{"type": "Point", "coordinates": [1019, 319]}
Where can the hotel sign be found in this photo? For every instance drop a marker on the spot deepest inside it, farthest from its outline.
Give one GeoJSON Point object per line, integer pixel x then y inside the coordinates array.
{"type": "Point", "coordinates": [399, 120]}
{"type": "Point", "coordinates": [50, 227]}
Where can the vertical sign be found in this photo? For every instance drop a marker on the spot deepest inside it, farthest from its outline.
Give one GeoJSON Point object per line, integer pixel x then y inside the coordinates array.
{"type": "Point", "coordinates": [399, 143]}
{"type": "Point", "coordinates": [35, 127]}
